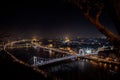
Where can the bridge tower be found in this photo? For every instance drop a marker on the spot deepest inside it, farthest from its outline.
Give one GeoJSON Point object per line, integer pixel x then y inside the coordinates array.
{"type": "Point", "coordinates": [34, 60]}
{"type": "Point", "coordinates": [81, 52]}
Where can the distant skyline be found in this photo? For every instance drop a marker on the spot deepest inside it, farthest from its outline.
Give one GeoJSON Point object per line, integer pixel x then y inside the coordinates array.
{"type": "Point", "coordinates": [50, 20]}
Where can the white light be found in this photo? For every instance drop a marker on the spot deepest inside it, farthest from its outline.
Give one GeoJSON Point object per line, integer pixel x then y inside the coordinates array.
{"type": "Point", "coordinates": [88, 51]}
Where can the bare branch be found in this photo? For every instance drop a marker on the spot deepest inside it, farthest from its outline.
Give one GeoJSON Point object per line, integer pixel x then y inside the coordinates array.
{"type": "Point", "coordinates": [99, 12]}
{"type": "Point", "coordinates": [87, 6]}
{"type": "Point", "coordinates": [78, 3]}
{"type": "Point", "coordinates": [87, 10]}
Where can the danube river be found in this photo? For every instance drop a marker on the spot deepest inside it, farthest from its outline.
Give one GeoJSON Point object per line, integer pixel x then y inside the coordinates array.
{"type": "Point", "coordinates": [72, 70]}
{"type": "Point", "coordinates": [84, 70]}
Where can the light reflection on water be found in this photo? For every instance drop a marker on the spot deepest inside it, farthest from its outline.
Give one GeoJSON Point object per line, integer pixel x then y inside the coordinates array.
{"type": "Point", "coordinates": [116, 68]}
{"type": "Point", "coordinates": [110, 66]}
{"type": "Point", "coordinates": [105, 66]}
{"type": "Point", "coordinates": [84, 70]}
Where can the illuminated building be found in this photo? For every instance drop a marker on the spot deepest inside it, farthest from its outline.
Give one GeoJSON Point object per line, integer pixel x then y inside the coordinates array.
{"type": "Point", "coordinates": [67, 40]}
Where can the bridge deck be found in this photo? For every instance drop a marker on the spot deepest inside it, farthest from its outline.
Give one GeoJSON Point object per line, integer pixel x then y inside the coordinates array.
{"type": "Point", "coordinates": [56, 60]}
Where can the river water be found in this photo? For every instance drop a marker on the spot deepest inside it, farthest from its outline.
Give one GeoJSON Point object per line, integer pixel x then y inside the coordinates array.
{"type": "Point", "coordinates": [84, 70]}
{"type": "Point", "coordinates": [74, 70]}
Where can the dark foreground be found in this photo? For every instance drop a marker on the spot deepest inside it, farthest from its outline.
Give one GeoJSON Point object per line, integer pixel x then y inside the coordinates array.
{"type": "Point", "coordinates": [12, 70]}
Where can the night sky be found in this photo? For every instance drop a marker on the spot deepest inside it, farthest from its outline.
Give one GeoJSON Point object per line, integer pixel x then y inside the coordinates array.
{"type": "Point", "coordinates": [49, 19]}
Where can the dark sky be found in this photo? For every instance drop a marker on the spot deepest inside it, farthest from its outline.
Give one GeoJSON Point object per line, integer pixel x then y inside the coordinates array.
{"type": "Point", "coordinates": [48, 19]}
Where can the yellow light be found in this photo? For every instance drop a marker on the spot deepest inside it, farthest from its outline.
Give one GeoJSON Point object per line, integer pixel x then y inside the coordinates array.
{"type": "Point", "coordinates": [68, 48]}
{"type": "Point", "coordinates": [50, 45]}
{"type": "Point", "coordinates": [67, 39]}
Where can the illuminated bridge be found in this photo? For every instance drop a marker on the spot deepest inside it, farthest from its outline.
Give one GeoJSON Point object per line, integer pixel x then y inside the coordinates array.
{"type": "Point", "coordinates": [38, 62]}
